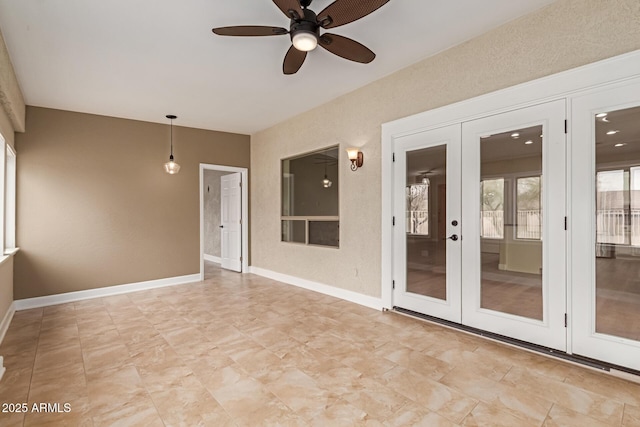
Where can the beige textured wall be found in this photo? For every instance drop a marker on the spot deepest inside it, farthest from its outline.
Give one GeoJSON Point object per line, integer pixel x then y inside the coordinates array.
{"type": "Point", "coordinates": [95, 208]}
{"type": "Point", "coordinates": [6, 129]}
{"type": "Point", "coordinates": [11, 118]}
{"type": "Point", "coordinates": [6, 286]}
{"type": "Point", "coordinates": [564, 35]}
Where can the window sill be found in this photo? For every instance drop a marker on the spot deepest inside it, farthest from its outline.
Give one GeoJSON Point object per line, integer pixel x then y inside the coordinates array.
{"type": "Point", "coordinates": [8, 254]}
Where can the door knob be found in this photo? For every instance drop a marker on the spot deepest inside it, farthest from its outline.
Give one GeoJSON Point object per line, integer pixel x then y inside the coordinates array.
{"type": "Point", "coordinates": [453, 237]}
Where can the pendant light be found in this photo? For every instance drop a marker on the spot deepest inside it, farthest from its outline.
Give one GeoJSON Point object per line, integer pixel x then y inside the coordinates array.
{"type": "Point", "coordinates": [326, 182]}
{"type": "Point", "coordinates": [171, 167]}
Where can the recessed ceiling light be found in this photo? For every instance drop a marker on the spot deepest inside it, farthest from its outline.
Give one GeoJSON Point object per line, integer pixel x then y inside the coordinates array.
{"type": "Point", "coordinates": [601, 115]}
{"type": "Point", "coordinates": [620, 144]}
{"type": "Point", "coordinates": [515, 135]}
{"type": "Point", "coordinates": [612, 132]}
{"type": "Point", "coordinates": [604, 119]}
{"type": "Point", "coordinates": [529, 142]}
{"type": "Point", "coordinates": [485, 136]}
{"type": "Point", "coordinates": [541, 136]}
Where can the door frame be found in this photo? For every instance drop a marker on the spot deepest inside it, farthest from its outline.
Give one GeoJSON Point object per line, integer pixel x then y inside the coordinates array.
{"type": "Point", "coordinates": [245, 212]}
{"type": "Point", "coordinates": [564, 85]}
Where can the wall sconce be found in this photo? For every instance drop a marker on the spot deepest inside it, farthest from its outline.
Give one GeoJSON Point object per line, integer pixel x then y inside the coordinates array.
{"type": "Point", "coordinates": [356, 157]}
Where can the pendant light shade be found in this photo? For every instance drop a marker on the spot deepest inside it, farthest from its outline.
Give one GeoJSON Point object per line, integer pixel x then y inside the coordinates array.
{"type": "Point", "coordinates": [171, 167]}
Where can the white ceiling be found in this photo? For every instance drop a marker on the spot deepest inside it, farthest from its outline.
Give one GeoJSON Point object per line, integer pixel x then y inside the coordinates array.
{"type": "Point", "coordinates": [143, 59]}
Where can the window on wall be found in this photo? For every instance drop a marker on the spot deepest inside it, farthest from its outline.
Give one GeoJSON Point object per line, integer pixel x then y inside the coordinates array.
{"type": "Point", "coordinates": [7, 197]}
{"type": "Point", "coordinates": [418, 209]}
{"type": "Point", "coordinates": [10, 201]}
{"type": "Point", "coordinates": [309, 189]}
{"type": "Point", "coordinates": [3, 213]}
{"type": "Point", "coordinates": [529, 208]}
{"type": "Point", "coordinates": [618, 206]}
{"type": "Point", "coordinates": [492, 223]}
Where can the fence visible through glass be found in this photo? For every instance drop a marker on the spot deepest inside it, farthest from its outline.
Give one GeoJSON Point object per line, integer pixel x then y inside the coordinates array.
{"type": "Point", "coordinates": [617, 203]}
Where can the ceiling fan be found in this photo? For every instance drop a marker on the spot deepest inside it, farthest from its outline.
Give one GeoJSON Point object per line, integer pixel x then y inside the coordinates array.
{"type": "Point", "coordinates": [304, 30]}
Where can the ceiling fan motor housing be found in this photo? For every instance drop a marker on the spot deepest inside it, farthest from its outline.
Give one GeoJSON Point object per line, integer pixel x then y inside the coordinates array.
{"type": "Point", "coordinates": [306, 24]}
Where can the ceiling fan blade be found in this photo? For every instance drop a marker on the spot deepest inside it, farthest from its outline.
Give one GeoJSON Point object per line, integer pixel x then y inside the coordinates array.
{"type": "Point", "coordinates": [250, 31]}
{"type": "Point", "coordinates": [293, 60]}
{"type": "Point", "coordinates": [291, 8]}
{"type": "Point", "coordinates": [346, 48]}
{"type": "Point", "coordinates": [341, 12]}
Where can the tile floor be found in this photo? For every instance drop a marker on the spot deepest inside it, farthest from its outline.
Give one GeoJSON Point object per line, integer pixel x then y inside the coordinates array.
{"type": "Point", "coordinates": [247, 351]}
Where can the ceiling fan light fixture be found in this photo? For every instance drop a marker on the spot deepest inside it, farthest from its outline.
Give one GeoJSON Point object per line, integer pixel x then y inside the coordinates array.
{"type": "Point", "coordinates": [305, 41]}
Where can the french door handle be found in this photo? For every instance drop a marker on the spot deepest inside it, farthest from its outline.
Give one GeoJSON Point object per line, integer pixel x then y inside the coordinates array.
{"type": "Point", "coordinates": [221, 226]}
{"type": "Point", "coordinates": [453, 237]}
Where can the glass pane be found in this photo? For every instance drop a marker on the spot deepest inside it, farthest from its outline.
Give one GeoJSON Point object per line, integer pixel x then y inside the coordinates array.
{"type": "Point", "coordinates": [325, 233]}
{"type": "Point", "coordinates": [426, 197]}
{"type": "Point", "coordinates": [511, 222]}
{"type": "Point", "coordinates": [618, 223]}
{"type": "Point", "coordinates": [294, 231]}
{"type": "Point", "coordinates": [310, 184]}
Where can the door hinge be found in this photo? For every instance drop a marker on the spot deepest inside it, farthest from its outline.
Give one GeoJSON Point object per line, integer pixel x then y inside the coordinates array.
{"type": "Point", "coordinates": [565, 320]}
{"type": "Point", "coordinates": [565, 223]}
{"type": "Point", "coordinates": [566, 126]}
{"type": "Point", "coordinates": [241, 223]}
{"type": "Point", "coordinates": [240, 259]}
{"type": "Point", "coordinates": [394, 157]}
{"type": "Point", "coordinates": [240, 183]}
{"type": "Point", "coordinates": [393, 284]}
{"type": "Point", "coordinates": [394, 220]}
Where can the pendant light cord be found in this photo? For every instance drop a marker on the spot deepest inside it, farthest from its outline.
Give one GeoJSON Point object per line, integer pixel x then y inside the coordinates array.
{"type": "Point", "coordinates": [171, 138]}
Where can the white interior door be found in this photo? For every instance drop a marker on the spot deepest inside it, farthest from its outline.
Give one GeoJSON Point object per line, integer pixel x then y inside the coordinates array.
{"type": "Point", "coordinates": [231, 221]}
{"type": "Point", "coordinates": [513, 216]}
{"type": "Point", "coordinates": [426, 214]}
{"type": "Point", "coordinates": [605, 225]}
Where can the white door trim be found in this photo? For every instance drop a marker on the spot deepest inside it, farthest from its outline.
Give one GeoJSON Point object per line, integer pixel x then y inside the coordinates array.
{"type": "Point", "coordinates": [567, 84]}
{"type": "Point", "coordinates": [245, 212]}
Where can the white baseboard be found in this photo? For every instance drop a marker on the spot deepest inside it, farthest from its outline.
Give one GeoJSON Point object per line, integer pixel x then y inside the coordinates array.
{"type": "Point", "coordinates": [212, 258]}
{"type": "Point", "coordinates": [355, 297]}
{"type": "Point", "coordinates": [6, 321]}
{"type": "Point", "coordinates": [25, 304]}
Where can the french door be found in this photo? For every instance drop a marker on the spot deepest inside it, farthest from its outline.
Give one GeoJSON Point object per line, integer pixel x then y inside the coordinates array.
{"type": "Point", "coordinates": [513, 248]}
{"type": "Point", "coordinates": [427, 223]}
{"type": "Point", "coordinates": [480, 224]}
{"type": "Point", "coordinates": [605, 225]}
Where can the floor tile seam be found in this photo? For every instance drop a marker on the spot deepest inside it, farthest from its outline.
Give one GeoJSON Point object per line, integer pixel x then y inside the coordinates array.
{"type": "Point", "coordinates": [622, 399]}
{"type": "Point", "coordinates": [461, 422]}
{"type": "Point", "coordinates": [571, 388]}
{"type": "Point", "coordinates": [520, 415]}
{"type": "Point", "coordinates": [153, 401]}
{"type": "Point", "coordinates": [33, 366]}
